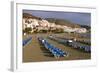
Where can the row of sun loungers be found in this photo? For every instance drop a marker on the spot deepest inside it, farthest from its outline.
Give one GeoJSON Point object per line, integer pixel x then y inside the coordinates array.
{"type": "Point", "coordinates": [54, 50]}
{"type": "Point", "coordinates": [26, 41]}
{"type": "Point", "coordinates": [88, 42]}
{"type": "Point", "coordinates": [72, 43]}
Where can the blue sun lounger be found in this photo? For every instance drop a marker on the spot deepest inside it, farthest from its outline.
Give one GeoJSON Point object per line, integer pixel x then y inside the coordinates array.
{"type": "Point", "coordinates": [73, 44]}
{"type": "Point", "coordinates": [26, 41]}
{"type": "Point", "coordinates": [54, 50]}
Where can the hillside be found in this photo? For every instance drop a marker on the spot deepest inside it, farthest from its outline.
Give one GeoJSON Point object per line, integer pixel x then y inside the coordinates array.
{"type": "Point", "coordinates": [53, 20]}
{"type": "Point", "coordinates": [86, 26]}
{"type": "Point", "coordinates": [37, 24]}
{"type": "Point", "coordinates": [27, 15]}
{"type": "Point", "coordinates": [63, 22]}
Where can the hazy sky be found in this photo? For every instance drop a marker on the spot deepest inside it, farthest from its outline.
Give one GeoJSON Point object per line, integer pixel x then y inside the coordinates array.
{"type": "Point", "coordinates": [75, 17]}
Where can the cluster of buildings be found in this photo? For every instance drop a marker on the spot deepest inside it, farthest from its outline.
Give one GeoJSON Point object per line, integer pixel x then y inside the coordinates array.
{"type": "Point", "coordinates": [45, 25]}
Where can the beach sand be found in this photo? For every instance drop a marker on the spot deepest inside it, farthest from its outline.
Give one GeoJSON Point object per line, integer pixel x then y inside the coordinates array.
{"type": "Point", "coordinates": [33, 51]}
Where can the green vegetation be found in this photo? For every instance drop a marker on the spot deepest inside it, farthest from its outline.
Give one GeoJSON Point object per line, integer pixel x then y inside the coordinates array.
{"type": "Point", "coordinates": [27, 30]}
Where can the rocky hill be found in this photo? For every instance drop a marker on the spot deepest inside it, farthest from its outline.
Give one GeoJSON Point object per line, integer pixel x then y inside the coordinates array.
{"type": "Point", "coordinates": [27, 15]}
{"type": "Point", "coordinates": [53, 20]}
{"type": "Point", "coordinates": [37, 24]}
{"type": "Point", "coordinates": [63, 22]}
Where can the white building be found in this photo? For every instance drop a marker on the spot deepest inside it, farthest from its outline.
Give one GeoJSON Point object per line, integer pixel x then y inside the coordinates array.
{"type": "Point", "coordinates": [80, 30]}
{"type": "Point", "coordinates": [44, 24]}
